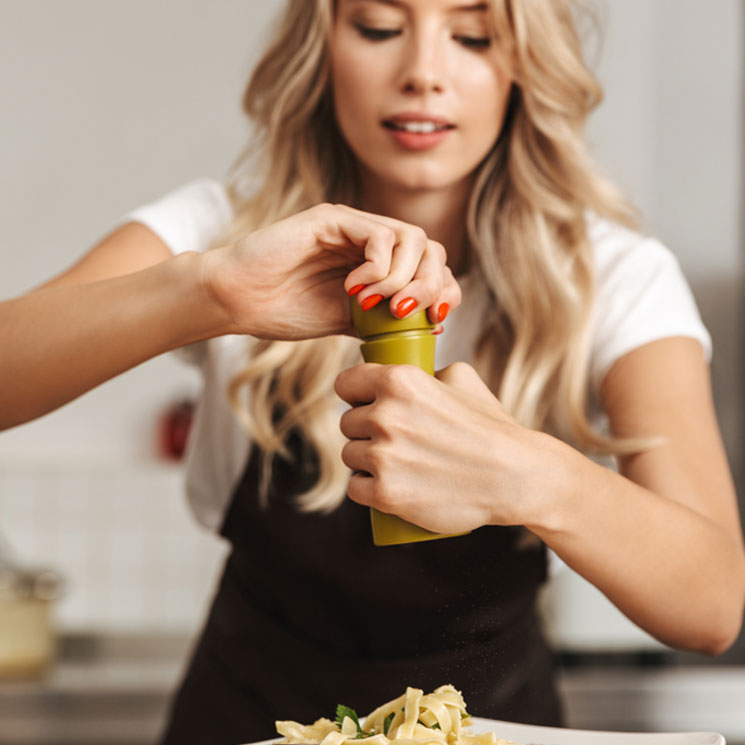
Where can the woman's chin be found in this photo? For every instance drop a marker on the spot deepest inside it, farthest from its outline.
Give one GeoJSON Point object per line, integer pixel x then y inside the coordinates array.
{"type": "Point", "coordinates": [419, 178]}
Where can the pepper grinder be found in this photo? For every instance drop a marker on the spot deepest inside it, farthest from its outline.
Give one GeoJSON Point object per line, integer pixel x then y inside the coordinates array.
{"type": "Point", "coordinates": [390, 340]}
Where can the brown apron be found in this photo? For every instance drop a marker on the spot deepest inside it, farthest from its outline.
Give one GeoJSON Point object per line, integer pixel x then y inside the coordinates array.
{"type": "Point", "coordinates": [310, 614]}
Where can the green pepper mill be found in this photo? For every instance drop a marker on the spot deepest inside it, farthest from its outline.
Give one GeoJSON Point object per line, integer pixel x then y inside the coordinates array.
{"type": "Point", "coordinates": [389, 340]}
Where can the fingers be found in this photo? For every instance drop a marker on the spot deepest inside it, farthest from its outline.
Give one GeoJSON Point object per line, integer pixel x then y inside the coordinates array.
{"type": "Point", "coordinates": [356, 424]}
{"type": "Point", "coordinates": [375, 422]}
{"type": "Point", "coordinates": [418, 278]}
{"type": "Point", "coordinates": [355, 455]}
{"type": "Point", "coordinates": [400, 263]}
{"type": "Point", "coordinates": [448, 300]}
{"type": "Point", "coordinates": [358, 385]}
{"type": "Point", "coordinates": [361, 488]}
{"type": "Point", "coordinates": [380, 244]}
{"type": "Point", "coordinates": [421, 283]}
{"type": "Point", "coordinates": [392, 264]}
{"type": "Point", "coordinates": [411, 251]}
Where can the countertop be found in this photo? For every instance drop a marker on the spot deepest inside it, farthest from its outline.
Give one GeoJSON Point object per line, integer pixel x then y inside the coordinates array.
{"type": "Point", "coordinates": [108, 690]}
{"type": "Point", "coordinates": [114, 690]}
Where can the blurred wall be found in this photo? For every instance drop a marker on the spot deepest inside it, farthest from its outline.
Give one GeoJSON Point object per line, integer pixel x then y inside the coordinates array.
{"type": "Point", "coordinates": [104, 106]}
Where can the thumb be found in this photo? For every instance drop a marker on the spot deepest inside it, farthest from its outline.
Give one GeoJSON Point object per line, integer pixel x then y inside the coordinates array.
{"type": "Point", "coordinates": [463, 378]}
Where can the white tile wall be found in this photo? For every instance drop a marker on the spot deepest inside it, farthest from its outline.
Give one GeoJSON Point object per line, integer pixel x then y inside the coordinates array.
{"type": "Point", "coordinates": [122, 535]}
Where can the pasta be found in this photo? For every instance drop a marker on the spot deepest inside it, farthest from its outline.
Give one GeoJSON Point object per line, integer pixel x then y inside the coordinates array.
{"type": "Point", "coordinates": [414, 718]}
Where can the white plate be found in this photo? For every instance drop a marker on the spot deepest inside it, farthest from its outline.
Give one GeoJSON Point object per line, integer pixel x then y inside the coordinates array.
{"type": "Point", "coordinates": [528, 734]}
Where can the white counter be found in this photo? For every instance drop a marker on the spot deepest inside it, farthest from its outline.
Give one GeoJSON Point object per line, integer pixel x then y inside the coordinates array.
{"type": "Point", "coordinates": [115, 690]}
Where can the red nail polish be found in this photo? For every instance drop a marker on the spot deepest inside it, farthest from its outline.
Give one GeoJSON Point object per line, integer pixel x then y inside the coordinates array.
{"type": "Point", "coordinates": [405, 306]}
{"type": "Point", "coordinates": [442, 311]}
{"type": "Point", "coordinates": [371, 302]}
{"type": "Point", "coordinates": [354, 290]}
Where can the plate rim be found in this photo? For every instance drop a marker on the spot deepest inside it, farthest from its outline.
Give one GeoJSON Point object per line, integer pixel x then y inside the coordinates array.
{"type": "Point", "coordinates": [598, 737]}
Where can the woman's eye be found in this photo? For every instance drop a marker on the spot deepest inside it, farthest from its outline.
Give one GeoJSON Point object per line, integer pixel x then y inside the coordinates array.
{"type": "Point", "coordinates": [376, 34]}
{"type": "Point", "coordinates": [473, 42]}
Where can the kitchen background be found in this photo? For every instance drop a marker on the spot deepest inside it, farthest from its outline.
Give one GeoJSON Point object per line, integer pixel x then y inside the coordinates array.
{"type": "Point", "coordinates": [108, 105]}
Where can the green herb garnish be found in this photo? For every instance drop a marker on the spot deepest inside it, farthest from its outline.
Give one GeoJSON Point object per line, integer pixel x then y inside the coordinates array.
{"type": "Point", "coordinates": [342, 712]}
{"type": "Point", "coordinates": [387, 723]}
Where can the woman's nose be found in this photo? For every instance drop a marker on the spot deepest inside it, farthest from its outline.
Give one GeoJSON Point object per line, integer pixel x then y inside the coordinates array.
{"type": "Point", "coordinates": [423, 68]}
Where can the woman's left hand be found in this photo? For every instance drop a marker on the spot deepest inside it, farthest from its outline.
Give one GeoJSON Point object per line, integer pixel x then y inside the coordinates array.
{"type": "Point", "coordinates": [439, 452]}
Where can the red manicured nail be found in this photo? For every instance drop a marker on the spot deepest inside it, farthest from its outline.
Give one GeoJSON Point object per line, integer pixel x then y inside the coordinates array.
{"type": "Point", "coordinates": [405, 306]}
{"type": "Point", "coordinates": [371, 302]}
{"type": "Point", "coordinates": [438, 330]}
{"type": "Point", "coordinates": [442, 311]}
{"type": "Point", "coordinates": [354, 290]}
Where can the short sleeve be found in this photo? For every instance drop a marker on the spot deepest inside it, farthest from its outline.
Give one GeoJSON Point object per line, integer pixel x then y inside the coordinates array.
{"type": "Point", "coordinates": [189, 218]}
{"type": "Point", "coordinates": [641, 296]}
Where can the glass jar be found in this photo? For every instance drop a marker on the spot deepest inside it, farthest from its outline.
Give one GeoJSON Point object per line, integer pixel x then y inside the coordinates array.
{"type": "Point", "coordinates": [27, 637]}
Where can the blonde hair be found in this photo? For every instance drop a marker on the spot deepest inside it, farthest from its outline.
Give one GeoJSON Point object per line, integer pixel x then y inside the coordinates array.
{"type": "Point", "coordinates": [526, 227]}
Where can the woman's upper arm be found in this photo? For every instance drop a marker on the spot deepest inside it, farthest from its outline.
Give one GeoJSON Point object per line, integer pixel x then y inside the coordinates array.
{"type": "Point", "coordinates": [126, 249]}
{"type": "Point", "coordinates": [663, 390]}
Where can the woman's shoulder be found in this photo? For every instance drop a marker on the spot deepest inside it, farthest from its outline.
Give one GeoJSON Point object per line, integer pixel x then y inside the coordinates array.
{"type": "Point", "coordinates": [620, 250]}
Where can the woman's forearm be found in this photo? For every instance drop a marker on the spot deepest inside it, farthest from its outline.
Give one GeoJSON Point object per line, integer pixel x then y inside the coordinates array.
{"type": "Point", "coordinates": [673, 571]}
{"type": "Point", "coordinates": [59, 342]}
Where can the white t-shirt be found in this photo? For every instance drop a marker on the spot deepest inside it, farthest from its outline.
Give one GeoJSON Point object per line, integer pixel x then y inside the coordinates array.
{"type": "Point", "coordinates": [641, 296]}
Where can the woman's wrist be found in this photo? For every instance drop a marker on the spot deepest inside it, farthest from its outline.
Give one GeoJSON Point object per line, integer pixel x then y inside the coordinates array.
{"type": "Point", "coordinates": [203, 314]}
{"type": "Point", "coordinates": [546, 509]}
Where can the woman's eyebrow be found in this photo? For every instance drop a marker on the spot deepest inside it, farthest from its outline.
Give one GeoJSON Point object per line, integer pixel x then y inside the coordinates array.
{"type": "Point", "coordinates": [472, 7]}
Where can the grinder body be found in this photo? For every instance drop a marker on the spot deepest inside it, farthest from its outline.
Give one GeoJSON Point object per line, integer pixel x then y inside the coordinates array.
{"type": "Point", "coordinates": [391, 341]}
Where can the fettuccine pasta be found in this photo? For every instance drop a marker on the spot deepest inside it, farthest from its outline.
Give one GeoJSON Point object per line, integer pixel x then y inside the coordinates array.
{"type": "Point", "coordinates": [415, 718]}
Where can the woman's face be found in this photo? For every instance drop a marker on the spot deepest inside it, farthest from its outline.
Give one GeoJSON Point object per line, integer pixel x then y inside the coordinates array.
{"type": "Point", "coordinates": [420, 88]}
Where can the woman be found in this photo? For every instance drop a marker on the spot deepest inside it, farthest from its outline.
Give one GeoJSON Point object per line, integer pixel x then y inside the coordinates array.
{"type": "Point", "coordinates": [465, 121]}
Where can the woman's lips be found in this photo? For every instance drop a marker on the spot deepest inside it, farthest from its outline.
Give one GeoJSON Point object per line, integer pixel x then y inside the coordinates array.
{"type": "Point", "coordinates": [417, 131]}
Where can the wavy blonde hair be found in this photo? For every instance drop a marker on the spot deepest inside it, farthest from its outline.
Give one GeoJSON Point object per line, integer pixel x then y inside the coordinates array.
{"type": "Point", "coordinates": [526, 228]}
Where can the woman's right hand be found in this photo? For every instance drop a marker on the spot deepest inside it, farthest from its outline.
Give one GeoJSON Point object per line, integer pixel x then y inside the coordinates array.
{"type": "Point", "coordinates": [287, 281]}
{"type": "Point", "coordinates": [292, 279]}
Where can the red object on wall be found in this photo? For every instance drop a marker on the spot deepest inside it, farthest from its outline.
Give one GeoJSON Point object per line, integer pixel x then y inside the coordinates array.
{"type": "Point", "coordinates": [173, 429]}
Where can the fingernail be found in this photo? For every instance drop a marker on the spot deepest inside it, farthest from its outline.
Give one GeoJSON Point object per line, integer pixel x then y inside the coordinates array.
{"type": "Point", "coordinates": [354, 290]}
{"type": "Point", "coordinates": [371, 302]}
{"type": "Point", "coordinates": [442, 311]}
{"type": "Point", "coordinates": [437, 330]}
{"type": "Point", "coordinates": [405, 306]}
